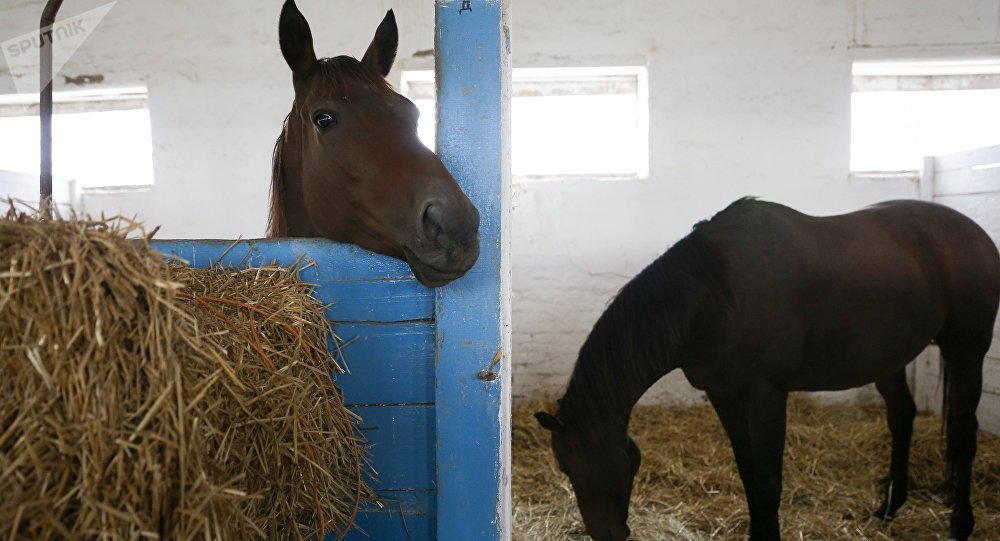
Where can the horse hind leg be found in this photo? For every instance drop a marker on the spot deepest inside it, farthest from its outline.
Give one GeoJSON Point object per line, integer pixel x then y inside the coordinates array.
{"type": "Point", "coordinates": [963, 368]}
{"type": "Point", "coordinates": [900, 412]}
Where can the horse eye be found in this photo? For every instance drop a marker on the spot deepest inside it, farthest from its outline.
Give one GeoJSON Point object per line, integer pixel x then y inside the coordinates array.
{"type": "Point", "coordinates": [324, 120]}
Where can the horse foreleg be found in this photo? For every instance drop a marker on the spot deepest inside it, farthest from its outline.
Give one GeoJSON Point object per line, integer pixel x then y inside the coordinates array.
{"type": "Point", "coordinates": [732, 414]}
{"type": "Point", "coordinates": [965, 383]}
{"type": "Point", "coordinates": [900, 412]}
{"type": "Point", "coordinates": [766, 413]}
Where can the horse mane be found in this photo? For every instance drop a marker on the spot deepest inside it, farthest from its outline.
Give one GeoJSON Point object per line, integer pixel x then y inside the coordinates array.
{"type": "Point", "coordinates": [645, 330]}
{"type": "Point", "coordinates": [277, 225]}
{"type": "Point", "coordinates": [342, 73]}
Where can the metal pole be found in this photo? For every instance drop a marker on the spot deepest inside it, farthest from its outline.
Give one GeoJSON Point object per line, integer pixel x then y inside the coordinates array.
{"type": "Point", "coordinates": [45, 106]}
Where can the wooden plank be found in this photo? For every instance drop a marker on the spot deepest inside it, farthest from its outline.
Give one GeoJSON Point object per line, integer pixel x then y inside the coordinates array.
{"type": "Point", "coordinates": [931, 387]}
{"type": "Point", "coordinates": [982, 208]}
{"type": "Point", "coordinates": [924, 366]}
{"type": "Point", "coordinates": [988, 413]}
{"type": "Point", "coordinates": [472, 51]}
{"type": "Point", "coordinates": [968, 181]}
{"type": "Point", "coordinates": [404, 515]}
{"type": "Point", "coordinates": [357, 284]}
{"type": "Point", "coordinates": [934, 380]}
{"type": "Point", "coordinates": [991, 374]}
{"type": "Point", "coordinates": [402, 440]}
{"type": "Point", "coordinates": [926, 185]}
{"type": "Point", "coordinates": [378, 301]}
{"type": "Point", "coordinates": [334, 261]}
{"type": "Point", "coordinates": [966, 159]}
{"type": "Point", "coordinates": [389, 364]}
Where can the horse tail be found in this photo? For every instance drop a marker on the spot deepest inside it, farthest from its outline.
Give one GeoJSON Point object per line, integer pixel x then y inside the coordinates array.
{"type": "Point", "coordinates": [945, 394]}
{"type": "Point", "coordinates": [943, 369]}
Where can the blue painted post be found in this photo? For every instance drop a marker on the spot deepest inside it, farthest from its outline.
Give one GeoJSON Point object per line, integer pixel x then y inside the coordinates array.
{"type": "Point", "coordinates": [472, 48]}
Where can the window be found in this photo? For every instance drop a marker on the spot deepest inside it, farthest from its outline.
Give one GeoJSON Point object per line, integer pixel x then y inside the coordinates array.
{"type": "Point", "coordinates": [99, 139]}
{"type": "Point", "coordinates": [565, 122]}
{"type": "Point", "coordinates": [901, 112]}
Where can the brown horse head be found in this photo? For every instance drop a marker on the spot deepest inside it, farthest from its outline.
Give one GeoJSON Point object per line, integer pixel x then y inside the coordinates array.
{"type": "Point", "coordinates": [348, 165]}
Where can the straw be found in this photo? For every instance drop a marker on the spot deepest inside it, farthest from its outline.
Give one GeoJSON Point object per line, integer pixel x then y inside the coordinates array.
{"type": "Point", "coordinates": [688, 488]}
{"type": "Point", "coordinates": [146, 400]}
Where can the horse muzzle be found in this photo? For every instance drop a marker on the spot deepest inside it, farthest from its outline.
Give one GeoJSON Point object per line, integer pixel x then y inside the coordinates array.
{"type": "Point", "coordinates": [446, 245]}
{"type": "Point", "coordinates": [432, 275]}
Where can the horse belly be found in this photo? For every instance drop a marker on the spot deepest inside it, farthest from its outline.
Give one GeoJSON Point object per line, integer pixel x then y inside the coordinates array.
{"type": "Point", "coordinates": [866, 349]}
{"type": "Point", "coordinates": [838, 330]}
{"type": "Point", "coordinates": [826, 363]}
{"type": "Point", "coordinates": [847, 370]}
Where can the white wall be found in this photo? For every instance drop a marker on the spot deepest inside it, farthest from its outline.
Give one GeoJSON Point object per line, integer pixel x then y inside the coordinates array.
{"type": "Point", "coordinates": [22, 190]}
{"type": "Point", "coordinates": [745, 98]}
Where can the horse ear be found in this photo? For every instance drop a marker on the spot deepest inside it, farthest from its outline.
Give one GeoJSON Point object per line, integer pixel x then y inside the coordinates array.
{"type": "Point", "coordinates": [549, 422]}
{"type": "Point", "coordinates": [382, 51]}
{"type": "Point", "coordinates": [296, 40]}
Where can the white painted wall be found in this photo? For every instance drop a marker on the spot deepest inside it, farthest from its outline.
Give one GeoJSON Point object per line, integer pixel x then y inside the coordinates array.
{"type": "Point", "coordinates": [22, 190]}
{"type": "Point", "coordinates": [745, 98]}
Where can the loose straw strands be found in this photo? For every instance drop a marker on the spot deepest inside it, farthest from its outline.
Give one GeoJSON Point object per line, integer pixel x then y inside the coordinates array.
{"type": "Point", "coordinates": [688, 488]}
{"type": "Point", "coordinates": [145, 400]}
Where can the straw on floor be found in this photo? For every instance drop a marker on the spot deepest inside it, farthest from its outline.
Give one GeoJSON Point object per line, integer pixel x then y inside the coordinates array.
{"type": "Point", "coordinates": [688, 488]}
{"type": "Point", "coordinates": [146, 400]}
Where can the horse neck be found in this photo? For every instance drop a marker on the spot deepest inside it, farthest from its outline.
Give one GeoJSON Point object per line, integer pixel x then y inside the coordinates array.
{"type": "Point", "coordinates": [642, 336]}
{"type": "Point", "coordinates": [607, 384]}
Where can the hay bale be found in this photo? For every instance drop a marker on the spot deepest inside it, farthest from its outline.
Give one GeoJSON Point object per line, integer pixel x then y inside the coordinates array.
{"type": "Point", "coordinates": [142, 399]}
{"type": "Point", "coordinates": [835, 457]}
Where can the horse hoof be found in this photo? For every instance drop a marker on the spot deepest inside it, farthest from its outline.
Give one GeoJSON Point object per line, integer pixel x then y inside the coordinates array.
{"type": "Point", "coordinates": [882, 516]}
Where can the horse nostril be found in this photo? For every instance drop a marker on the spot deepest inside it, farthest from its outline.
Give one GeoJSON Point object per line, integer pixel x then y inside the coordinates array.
{"type": "Point", "coordinates": [432, 223]}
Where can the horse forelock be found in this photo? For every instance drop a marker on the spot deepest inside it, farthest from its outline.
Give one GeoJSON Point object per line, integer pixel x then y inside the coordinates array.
{"type": "Point", "coordinates": [645, 330]}
{"type": "Point", "coordinates": [346, 72]}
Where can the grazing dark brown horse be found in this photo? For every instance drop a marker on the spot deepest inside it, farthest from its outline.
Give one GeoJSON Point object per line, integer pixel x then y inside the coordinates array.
{"type": "Point", "coordinates": [348, 165]}
{"type": "Point", "coordinates": [762, 300]}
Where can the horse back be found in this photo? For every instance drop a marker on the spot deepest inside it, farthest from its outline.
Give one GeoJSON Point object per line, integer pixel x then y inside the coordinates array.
{"type": "Point", "coordinates": [955, 255]}
{"type": "Point", "coordinates": [836, 302]}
